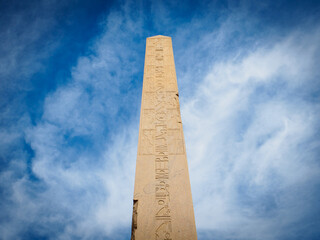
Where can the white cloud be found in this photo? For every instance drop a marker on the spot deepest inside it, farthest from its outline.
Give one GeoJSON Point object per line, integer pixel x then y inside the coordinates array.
{"type": "Point", "coordinates": [84, 190]}
{"type": "Point", "coordinates": [249, 125]}
{"type": "Point", "coordinates": [246, 127]}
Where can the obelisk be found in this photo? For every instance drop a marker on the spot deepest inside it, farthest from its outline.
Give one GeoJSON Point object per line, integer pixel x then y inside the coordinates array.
{"type": "Point", "coordinates": [162, 202]}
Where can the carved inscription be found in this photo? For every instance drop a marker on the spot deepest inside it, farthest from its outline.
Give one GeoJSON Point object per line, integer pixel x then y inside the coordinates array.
{"type": "Point", "coordinates": [162, 193]}
{"type": "Point", "coordinates": [162, 172]}
{"type": "Point", "coordinates": [161, 132]}
{"type": "Point", "coordinates": [164, 230]}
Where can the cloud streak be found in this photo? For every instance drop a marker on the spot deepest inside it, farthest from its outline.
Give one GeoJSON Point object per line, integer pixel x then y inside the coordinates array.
{"type": "Point", "coordinates": [251, 131]}
{"type": "Point", "coordinates": [249, 102]}
{"type": "Point", "coordinates": [78, 165]}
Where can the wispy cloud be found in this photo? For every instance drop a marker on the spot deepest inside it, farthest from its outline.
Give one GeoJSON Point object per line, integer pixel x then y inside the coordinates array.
{"type": "Point", "coordinates": [252, 140]}
{"type": "Point", "coordinates": [249, 103]}
{"type": "Point", "coordinates": [83, 171]}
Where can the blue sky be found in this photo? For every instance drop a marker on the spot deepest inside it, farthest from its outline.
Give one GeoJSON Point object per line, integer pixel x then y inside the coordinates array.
{"type": "Point", "coordinates": [70, 92]}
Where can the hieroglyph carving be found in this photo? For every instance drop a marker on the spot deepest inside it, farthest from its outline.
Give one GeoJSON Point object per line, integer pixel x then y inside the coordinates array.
{"type": "Point", "coordinates": [162, 193]}
{"type": "Point", "coordinates": [161, 128]}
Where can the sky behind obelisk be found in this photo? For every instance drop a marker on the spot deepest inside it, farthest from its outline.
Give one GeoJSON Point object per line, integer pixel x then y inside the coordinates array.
{"type": "Point", "coordinates": [70, 93]}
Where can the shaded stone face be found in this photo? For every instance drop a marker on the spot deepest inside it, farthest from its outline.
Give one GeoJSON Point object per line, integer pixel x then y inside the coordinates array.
{"type": "Point", "coordinates": [162, 208]}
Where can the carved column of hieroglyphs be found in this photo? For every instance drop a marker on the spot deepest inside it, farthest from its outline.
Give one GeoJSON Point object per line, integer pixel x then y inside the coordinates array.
{"type": "Point", "coordinates": [163, 208]}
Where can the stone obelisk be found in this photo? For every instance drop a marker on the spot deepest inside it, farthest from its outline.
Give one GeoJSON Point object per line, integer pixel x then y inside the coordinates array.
{"type": "Point", "coordinates": [162, 202]}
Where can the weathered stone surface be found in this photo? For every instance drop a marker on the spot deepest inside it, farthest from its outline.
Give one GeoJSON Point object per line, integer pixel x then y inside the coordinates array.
{"type": "Point", "coordinates": [162, 208]}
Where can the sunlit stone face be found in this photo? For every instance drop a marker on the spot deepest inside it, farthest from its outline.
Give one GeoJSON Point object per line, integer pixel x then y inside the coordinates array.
{"type": "Point", "coordinates": [162, 203]}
